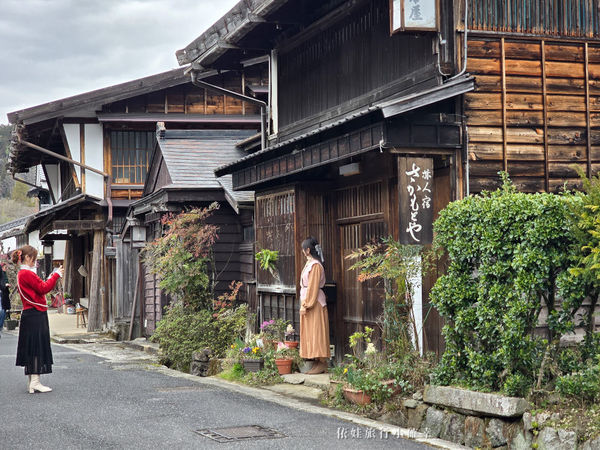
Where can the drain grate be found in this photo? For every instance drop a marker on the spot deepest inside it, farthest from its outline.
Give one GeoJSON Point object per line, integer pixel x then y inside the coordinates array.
{"type": "Point", "coordinates": [243, 433]}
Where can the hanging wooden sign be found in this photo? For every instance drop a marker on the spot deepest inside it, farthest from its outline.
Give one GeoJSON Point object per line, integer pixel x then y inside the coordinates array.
{"type": "Point", "coordinates": [415, 185]}
{"type": "Point", "coordinates": [414, 15]}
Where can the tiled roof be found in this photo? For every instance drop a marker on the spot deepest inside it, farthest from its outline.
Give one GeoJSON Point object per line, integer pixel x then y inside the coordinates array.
{"type": "Point", "coordinates": [191, 157]}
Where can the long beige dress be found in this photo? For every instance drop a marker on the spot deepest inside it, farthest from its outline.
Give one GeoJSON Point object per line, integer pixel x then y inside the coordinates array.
{"type": "Point", "coordinates": [314, 325]}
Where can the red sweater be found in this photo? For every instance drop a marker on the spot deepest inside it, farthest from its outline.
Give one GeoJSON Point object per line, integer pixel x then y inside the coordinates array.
{"type": "Point", "coordinates": [32, 288]}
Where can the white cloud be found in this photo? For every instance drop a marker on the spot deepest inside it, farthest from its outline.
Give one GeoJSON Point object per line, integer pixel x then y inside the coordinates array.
{"type": "Point", "coordinates": [52, 49]}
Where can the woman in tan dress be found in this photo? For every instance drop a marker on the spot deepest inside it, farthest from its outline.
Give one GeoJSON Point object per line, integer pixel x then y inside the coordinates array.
{"type": "Point", "coordinates": [314, 320]}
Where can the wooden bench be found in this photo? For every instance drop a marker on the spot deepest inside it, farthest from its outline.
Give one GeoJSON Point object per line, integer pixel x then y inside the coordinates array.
{"type": "Point", "coordinates": [81, 312]}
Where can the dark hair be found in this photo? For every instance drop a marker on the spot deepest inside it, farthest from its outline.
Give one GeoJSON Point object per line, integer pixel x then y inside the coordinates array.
{"type": "Point", "coordinates": [315, 249]}
{"type": "Point", "coordinates": [18, 255]}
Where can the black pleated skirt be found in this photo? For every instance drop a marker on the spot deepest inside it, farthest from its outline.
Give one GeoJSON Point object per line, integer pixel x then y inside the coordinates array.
{"type": "Point", "coordinates": [33, 350]}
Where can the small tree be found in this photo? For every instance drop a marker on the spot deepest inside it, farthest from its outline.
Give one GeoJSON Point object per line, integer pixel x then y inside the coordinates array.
{"type": "Point", "coordinates": [182, 257]}
{"type": "Point", "coordinates": [400, 267]}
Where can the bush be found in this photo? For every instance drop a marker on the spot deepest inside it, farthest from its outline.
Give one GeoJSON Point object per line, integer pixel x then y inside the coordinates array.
{"type": "Point", "coordinates": [183, 330]}
{"type": "Point", "coordinates": [506, 250]}
{"type": "Point", "coordinates": [583, 385]}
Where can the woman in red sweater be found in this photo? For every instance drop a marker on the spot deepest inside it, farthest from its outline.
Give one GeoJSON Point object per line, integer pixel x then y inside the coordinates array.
{"type": "Point", "coordinates": [33, 350]}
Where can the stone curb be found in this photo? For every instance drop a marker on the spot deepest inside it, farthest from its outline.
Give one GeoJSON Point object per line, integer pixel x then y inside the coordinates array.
{"type": "Point", "coordinates": [146, 347]}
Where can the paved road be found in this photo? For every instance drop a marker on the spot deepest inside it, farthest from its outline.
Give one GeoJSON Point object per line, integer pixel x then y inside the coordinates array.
{"type": "Point", "coordinates": [107, 397]}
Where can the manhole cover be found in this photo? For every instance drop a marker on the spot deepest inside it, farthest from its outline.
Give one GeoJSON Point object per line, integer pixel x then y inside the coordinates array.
{"type": "Point", "coordinates": [249, 432]}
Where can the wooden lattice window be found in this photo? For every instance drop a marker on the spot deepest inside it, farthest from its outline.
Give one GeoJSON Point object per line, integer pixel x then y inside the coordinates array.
{"type": "Point", "coordinates": [545, 17]}
{"type": "Point", "coordinates": [130, 155]}
{"type": "Point", "coordinates": [274, 219]}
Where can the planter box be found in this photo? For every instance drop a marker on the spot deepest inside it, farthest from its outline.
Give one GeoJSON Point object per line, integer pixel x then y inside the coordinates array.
{"type": "Point", "coordinates": [357, 397]}
{"type": "Point", "coordinates": [11, 324]}
{"type": "Point", "coordinates": [253, 365]}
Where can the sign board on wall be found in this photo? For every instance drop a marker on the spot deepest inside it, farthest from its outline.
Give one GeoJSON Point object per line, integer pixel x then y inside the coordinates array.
{"type": "Point", "coordinates": [415, 184]}
{"type": "Point", "coordinates": [413, 15]}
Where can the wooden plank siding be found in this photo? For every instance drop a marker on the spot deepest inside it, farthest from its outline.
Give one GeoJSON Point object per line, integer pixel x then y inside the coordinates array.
{"type": "Point", "coordinates": [535, 112]}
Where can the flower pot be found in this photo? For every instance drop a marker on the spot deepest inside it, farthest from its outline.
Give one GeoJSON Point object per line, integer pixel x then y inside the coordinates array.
{"type": "Point", "coordinates": [292, 344]}
{"type": "Point", "coordinates": [11, 324]}
{"type": "Point", "coordinates": [395, 389]}
{"type": "Point", "coordinates": [356, 396]}
{"type": "Point", "coordinates": [284, 366]}
{"type": "Point", "coordinates": [253, 365]}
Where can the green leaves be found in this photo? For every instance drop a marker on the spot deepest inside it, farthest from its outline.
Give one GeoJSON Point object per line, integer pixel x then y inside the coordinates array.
{"type": "Point", "coordinates": [505, 251]}
{"type": "Point", "coordinates": [267, 259]}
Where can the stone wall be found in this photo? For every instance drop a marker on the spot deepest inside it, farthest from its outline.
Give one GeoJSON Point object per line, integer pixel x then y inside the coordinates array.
{"type": "Point", "coordinates": [481, 420]}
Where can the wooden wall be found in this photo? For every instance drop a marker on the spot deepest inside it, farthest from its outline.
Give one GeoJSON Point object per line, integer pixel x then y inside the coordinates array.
{"type": "Point", "coordinates": [535, 112]}
{"type": "Point", "coordinates": [348, 66]}
{"type": "Point", "coordinates": [189, 99]}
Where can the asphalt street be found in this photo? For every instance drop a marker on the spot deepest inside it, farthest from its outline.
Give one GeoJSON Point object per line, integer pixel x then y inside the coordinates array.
{"type": "Point", "coordinates": [109, 397]}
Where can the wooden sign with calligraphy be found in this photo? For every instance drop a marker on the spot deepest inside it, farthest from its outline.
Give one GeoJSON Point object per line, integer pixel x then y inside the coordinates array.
{"type": "Point", "coordinates": [415, 189]}
{"type": "Point", "coordinates": [414, 15]}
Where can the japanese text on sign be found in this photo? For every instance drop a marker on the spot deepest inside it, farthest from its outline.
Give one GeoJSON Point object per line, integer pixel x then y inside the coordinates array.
{"type": "Point", "coordinates": [416, 200]}
{"type": "Point", "coordinates": [414, 14]}
{"type": "Point", "coordinates": [418, 182]}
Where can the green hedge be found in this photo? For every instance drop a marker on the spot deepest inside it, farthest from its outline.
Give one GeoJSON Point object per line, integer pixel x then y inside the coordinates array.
{"type": "Point", "coordinates": [506, 250]}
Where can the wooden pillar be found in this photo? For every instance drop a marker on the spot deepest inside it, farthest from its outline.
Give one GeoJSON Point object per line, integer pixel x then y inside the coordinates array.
{"type": "Point", "coordinates": [68, 279]}
{"type": "Point", "coordinates": [104, 289]}
{"type": "Point", "coordinates": [95, 294]}
{"type": "Point", "coordinates": [504, 131]}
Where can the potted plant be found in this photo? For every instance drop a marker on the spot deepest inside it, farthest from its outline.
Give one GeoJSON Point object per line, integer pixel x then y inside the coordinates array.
{"type": "Point", "coordinates": [290, 334]}
{"type": "Point", "coordinates": [252, 358]}
{"type": "Point", "coordinates": [358, 384]}
{"type": "Point", "coordinates": [11, 323]}
{"type": "Point", "coordinates": [273, 331]}
{"type": "Point", "coordinates": [284, 358]}
{"type": "Point", "coordinates": [266, 261]}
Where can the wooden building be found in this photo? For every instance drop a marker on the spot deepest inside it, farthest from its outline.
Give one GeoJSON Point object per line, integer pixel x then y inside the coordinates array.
{"type": "Point", "coordinates": [357, 102]}
{"type": "Point", "coordinates": [95, 150]}
{"type": "Point", "coordinates": [181, 176]}
{"type": "Point", "coordinates": [367, 96]}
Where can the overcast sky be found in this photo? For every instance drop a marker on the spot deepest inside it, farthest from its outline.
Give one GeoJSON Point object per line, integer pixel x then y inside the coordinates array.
{"type": "Point", "coordinates": [51, 49]}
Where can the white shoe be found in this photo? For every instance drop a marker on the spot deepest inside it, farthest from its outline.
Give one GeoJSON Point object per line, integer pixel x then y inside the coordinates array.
{"type": "Point", "coordinates": [36, 386]}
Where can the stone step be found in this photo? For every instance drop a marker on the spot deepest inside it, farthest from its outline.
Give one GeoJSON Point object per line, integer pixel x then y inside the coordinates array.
{"type": "Point", "coordinates": [306, 393]}
{"type": "Point", "coordinates": [319, 381]}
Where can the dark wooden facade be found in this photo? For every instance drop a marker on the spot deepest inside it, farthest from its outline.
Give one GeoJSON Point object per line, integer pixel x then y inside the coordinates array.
{"type": "Point", "coordinates": [351, 99]}
{"type": "Point", "coordinates": [181, 177]}
{"type": "Point", "coordinates": [535, 111]}
{"type": "Point", "coordinates": [112, 130]}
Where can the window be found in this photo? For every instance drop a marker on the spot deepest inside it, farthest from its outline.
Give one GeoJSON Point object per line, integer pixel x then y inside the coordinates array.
{"type": "Point", "coordinates": [130, 155]}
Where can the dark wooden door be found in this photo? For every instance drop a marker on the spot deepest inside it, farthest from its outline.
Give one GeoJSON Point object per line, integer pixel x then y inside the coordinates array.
{"type": "Point", "coordinates": [433, 340]}
{"type": "Point", "coordinates": [361, 219]}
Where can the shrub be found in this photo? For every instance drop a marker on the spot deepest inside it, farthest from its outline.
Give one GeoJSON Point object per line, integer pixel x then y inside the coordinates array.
{"type": "Point", "coordinates": [183, 330]}
{"type": "Point", "coordinates": [506, 250]}
{"type": "Point", "coordinates": [583, 385]}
